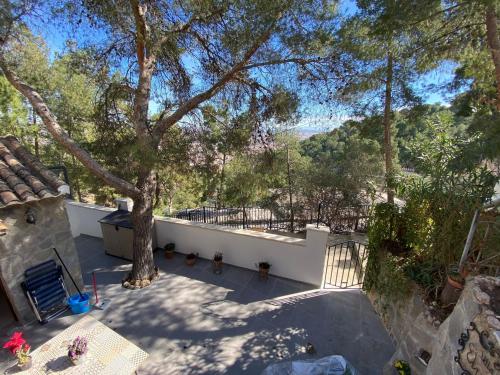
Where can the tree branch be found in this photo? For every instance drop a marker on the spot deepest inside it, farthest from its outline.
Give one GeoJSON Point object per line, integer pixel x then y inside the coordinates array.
{"type": "Point", "coordinates": [185, 108]}
{"type": "Point", "coordinates": [494, 45]}
{"type": "Point", "coordinates": [146, 62]}
{"type": "Point", "coordinates": [140, 36]}
{"type": "Point", "coordinates": [294, 60]}
{"type": "Point", "coordinates": [62, 137]}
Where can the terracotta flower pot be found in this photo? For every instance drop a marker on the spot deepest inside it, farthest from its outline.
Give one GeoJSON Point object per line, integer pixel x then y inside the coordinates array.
{"type": "Point", "coordinates": [263, 272]}
{"type": "Point", "coordinates": [26, 365]}
{"type": "Point", "coordinates": [217, 266]}
{"type": "Point", "coordinates": [191, 259]}
{"type": "Point", "coordinates": [77, 360]}
{"type": "Point", "coordinates": [451, 291]}
{"type": "Point", "coordinates": [455, 284]}
{"type": "Point", "coordinates": [169, 254]}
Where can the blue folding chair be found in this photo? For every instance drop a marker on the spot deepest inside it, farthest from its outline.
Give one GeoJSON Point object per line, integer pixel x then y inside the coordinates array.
{"type": "Point", "coordinates": [44, 287]}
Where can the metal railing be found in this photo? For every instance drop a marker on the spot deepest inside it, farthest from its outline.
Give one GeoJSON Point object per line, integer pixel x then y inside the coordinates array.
{"type": "Point", "coordinates": [345, 265]}
{"type": "Point", "coordinates": [279, 218]}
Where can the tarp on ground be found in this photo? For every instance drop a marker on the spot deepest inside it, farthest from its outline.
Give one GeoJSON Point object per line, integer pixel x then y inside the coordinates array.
{"type": "Point", "coordinates": [331, 365]}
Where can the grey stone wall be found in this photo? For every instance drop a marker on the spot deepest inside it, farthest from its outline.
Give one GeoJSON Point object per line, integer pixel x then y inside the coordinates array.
{"type": "Point", "coordinates": [26, 245]}
{"type": "Point", "coordinates": [412, 326]}
{"type": "Point", "coordinates": [473, 306]}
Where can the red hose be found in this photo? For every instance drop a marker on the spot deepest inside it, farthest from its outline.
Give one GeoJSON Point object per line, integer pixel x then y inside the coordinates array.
{"type": "Point", "coordinates": [95, 288]}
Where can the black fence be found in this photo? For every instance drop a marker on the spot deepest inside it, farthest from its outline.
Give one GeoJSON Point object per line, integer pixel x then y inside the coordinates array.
{"type": "Point", "coordinates": [345, 265]}
{"type": "Point", "coordinates": [340, 219]}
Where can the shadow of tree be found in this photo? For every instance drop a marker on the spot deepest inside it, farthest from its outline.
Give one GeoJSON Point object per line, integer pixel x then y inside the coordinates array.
{"type": "Point", "coordinates": [192, 321]}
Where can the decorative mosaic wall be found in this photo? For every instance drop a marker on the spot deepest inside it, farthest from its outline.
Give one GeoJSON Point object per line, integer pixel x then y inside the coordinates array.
{"type": "Point", "coordinates": [468, 341]}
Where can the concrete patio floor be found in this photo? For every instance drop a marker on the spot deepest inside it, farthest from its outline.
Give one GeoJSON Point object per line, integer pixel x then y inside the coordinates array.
{"type": "Point", "coordinates": [192, 321]}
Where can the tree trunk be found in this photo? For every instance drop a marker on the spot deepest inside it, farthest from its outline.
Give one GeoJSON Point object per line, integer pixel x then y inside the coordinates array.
{"type": "Point", "coordinates": [158, 192]}
{"type": "Point", "coordinates": [389, 169]}
{"type": "Point", "coordinates": [494, 44]}
{"type": "Point", "coordinates": [221, 181]}
{"type": "Point", "coordinates": [142, 219]}
{"type": "Point", "coordinates": [74, 173]}
{"type": "Point", "coordinates": [290, 191]}
{"type": "Point", "coordinates": [37, 145]}
{"type": "Point", "coordinates": [76, 179]}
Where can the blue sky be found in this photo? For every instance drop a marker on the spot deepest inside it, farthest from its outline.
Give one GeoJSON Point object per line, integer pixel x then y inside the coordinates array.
{"type": "Point", "coordinates": [314, 119]}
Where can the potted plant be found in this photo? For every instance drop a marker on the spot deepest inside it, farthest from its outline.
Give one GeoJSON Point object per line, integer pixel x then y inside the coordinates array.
{"type": "Point", "coordinates": [77, 350]}
{"type": "Point", "coordinates": [402, 367]}
{"type": "Point", "coordinates": [20, 349]}
{"type": "Point", "coordinates": [264, 269]}
{"type": "Point", "coordinates": [217, 262]}
{"type": "Point", "coordinates": [453, 287]}
{"type": "Point", "coordinates": [191, 259]}
{"type": "Point", "coordinates": [456, 280]}
{"type": "Point", "coordinates": [169, 250]}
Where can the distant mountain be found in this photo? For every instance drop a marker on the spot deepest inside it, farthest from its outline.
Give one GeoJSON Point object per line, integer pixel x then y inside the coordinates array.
{"type": "Point", "coordinates": [306, 133]}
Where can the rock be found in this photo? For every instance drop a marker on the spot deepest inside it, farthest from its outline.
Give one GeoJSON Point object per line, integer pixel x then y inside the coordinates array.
{"type": "Point", "coordinates": [497, 337]}
{"type": "Point", "coordinates": [493, 322]}
{"type": "Point", "coordinates": [145, 283]}
{"type": "Point", "coordinates": [481, 296]}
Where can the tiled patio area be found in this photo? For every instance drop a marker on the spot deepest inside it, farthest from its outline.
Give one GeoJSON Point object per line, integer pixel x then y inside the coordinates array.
{"type": "Point", "coordinates": [192, 321]}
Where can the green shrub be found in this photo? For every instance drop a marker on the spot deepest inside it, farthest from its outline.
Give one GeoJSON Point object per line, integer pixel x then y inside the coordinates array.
{"type": "Point", "coordinates": [392, 282]}
{"type": "Point", "coordinates": [430, 229]}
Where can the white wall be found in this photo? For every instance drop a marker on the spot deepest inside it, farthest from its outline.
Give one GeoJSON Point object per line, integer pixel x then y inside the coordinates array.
{"type": "Point", "coordinates": [293, 258]}
{"type": "Point", "coordinates": [84, 218]}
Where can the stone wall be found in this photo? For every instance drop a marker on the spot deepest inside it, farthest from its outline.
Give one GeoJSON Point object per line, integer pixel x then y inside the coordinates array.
{"type": "Point", "coordinates": [412, 326]}
{"type": "Point", "coordinates": [26, 245]}
{"type": "Point", "coordinates": [480, 352]}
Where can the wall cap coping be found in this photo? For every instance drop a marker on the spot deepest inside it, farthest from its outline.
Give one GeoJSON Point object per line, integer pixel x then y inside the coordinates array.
{"type": "Point", "coordinates": [321, 228]}
{"type": "Point", "coordinates": [89, 206]}
{"type": "Point", "coordinates": [244, 232]}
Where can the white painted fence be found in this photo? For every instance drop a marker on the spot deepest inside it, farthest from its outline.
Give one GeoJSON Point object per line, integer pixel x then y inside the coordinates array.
{"type": "Point", "coordinates": [293, 258]}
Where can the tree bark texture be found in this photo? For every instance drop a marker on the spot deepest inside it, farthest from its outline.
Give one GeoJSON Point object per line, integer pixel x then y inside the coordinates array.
{"type": "Point", "coordinates": [290, 191]}
{"type": "Point", "coordinates": [148, 139]}
{"type": "Point", "coordinates": [389, 169]}
{"type": "Point", "coordinates": [221, 181]}
{"type": "Point", "coordinates": [62, 137]}
{"type": "Point", "coordinates": [142, 220]}
{"type": "Point", "coordinates": [494, 45]}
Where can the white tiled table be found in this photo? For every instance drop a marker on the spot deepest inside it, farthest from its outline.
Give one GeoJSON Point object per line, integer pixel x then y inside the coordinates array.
{"type": "Point", "coordinates": [108, 352]}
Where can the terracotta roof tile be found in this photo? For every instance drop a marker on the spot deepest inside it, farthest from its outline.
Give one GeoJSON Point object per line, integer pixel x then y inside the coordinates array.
{"type": "Point", "coordinates": [23, 178]}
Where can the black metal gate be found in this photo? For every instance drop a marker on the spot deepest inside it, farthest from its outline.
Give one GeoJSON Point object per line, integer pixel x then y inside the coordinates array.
{"type": "Point", "coordinates": [345, 265]}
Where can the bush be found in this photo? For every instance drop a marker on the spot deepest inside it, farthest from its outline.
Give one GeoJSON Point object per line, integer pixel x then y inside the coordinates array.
{"type": "Point", "coordinates": [420, 240]}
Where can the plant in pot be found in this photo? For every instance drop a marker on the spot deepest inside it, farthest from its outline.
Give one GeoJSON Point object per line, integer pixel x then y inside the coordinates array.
{"type": "Point", "coordinates": [77, 350]}
{"type": "Point", "coordinates": [217, 262]}
{"type": "Point", "coordinates": [453, 287]}
{"type": "Point", "coordinates": [191, 259]}
{"type": "Point", "coordinates": [169, 250]}
{"type": "Point", "coordinates": [18, 347]}
{"type": "Point", "coordinates": [264, 270]}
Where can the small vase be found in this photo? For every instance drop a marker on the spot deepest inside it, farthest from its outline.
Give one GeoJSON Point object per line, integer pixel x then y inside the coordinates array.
{"type": "Point", "coordinates": [25, 365]}
{"type": "Point", "coordinates": [263, 273]}
{"type": "Point", "coordinates": [217, 267]}
{"type": "Point", "coordinates": [455, 284]}
{"type": "Point", "coordinates": [77, 360]}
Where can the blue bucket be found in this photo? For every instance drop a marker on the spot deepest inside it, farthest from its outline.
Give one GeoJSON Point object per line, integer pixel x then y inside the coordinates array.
{"type": "Point", "coordinates": [79, 305]}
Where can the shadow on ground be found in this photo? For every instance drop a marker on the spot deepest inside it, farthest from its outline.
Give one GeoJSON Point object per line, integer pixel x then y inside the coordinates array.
{"type": "Point", "coordinates": [192, 321]}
